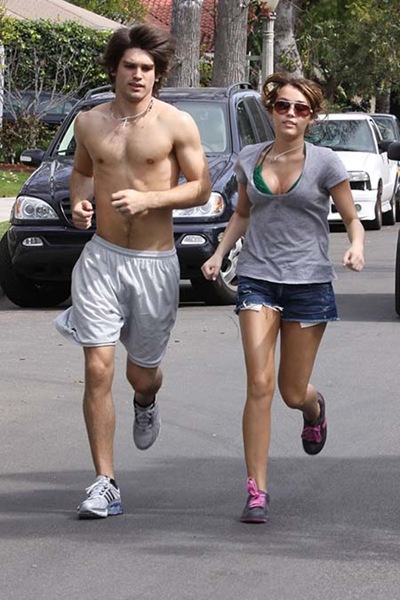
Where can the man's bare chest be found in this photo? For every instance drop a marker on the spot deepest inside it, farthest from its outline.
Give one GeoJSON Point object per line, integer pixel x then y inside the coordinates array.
{"type": "Point", "coordinates": [130, 145]}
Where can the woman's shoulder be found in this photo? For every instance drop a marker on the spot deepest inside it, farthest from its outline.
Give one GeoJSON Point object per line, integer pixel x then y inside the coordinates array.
{"type": "Point", "coordinates": [322, 155]}
{"type": "Point", "coordinates": [252, 150]}
{"type": "Point", "coordinates": [321, 151]}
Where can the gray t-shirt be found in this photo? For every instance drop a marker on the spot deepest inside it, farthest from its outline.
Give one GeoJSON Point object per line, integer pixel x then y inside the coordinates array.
{"type": "Point", "coordinates": [287, 239]}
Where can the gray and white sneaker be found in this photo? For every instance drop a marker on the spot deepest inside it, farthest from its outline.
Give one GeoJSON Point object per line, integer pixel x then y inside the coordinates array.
{"type": "Point", "coordinates": [104, 499]}
{"type": "Point", "coordinates": [146, 425]}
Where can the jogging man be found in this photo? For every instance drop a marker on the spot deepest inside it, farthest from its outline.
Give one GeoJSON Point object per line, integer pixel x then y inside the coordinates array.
{"type": "Point", "coordinates": [125, 285]}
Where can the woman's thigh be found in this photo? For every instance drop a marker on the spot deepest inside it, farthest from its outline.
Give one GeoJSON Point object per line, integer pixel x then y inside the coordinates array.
{"type": "Point", "coordinates": [259, 330]}
{"type": "Point", "coordinates": [299, 347]}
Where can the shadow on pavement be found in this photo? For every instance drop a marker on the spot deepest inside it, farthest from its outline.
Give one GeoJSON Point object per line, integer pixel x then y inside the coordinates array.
{"type": "Point", "coordinates": [366, 307]}
{"type": "Point", "coordinates": [321, 508]}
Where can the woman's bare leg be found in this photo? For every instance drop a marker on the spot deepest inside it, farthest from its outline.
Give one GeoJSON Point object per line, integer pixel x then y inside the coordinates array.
{"type": "Point", "coordinates": [299, 347]}
{"type": "Point", "coordinates": [259, 333]}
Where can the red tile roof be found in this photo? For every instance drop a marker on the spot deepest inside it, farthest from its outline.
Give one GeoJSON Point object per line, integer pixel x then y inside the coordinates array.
{"type": "Point", "coordinates": [160, 12]}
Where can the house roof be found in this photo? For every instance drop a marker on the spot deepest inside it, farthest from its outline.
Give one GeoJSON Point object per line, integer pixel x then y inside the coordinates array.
{"type": "Point", "coordinates": [160, 13]}
{"type": "Point", "coordinates": [57, 10]}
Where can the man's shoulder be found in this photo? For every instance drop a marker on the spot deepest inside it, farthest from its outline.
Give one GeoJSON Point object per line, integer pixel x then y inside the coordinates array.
{"type": "Point", "coordinates": [95, 112]}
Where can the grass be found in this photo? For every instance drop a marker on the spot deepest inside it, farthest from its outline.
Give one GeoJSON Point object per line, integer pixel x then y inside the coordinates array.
{"type": "Point", "coordinates": [11, 182]}
{"type": "Point", "coordinates": [3, 228]}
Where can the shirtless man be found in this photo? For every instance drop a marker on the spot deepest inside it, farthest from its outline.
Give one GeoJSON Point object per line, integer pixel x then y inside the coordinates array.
{"type": "Point", "coordinates": [125, 285]}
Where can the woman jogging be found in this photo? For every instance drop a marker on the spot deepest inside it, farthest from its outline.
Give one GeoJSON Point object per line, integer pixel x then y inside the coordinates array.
{"type": "Point", "coordinates": [284, 273]}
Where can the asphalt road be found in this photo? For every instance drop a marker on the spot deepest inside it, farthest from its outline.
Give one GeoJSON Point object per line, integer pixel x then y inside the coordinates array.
{"type": "Point", "coordinates": [334, 530]}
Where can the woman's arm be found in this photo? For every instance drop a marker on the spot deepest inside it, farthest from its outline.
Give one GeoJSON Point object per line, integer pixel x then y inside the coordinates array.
{"type": "Point", "coordinates": [343, 199]}
{"type": "Point", "coordinates": [236, 228]}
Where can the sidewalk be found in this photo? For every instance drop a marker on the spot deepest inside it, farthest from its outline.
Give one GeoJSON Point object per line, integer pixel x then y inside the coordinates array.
{"type": "Point", "coordinates": [5, 208]}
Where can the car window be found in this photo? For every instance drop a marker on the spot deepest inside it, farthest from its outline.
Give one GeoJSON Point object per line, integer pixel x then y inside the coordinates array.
{"type": "Point", "coordinates": [350, 136]}
{"type": "Point", "coordinates": [259, 115]}
{"type": "Point", "coordinates": [388, 127]}
{"type": "Point", "coordinates": [245, 127]}
{"type": "Point", "coordinates": [66, 144]}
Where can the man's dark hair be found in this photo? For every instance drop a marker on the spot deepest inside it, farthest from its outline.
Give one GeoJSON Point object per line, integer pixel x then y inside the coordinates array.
{"type": "Point", "coordinates": [158, 43]}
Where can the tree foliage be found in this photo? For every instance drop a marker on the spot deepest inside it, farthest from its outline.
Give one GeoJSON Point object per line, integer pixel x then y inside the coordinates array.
{"type": "Point", "coordinates": [41, 55]}
{"type": "Point", "coordinates": [351, 46]}
{"type": "Point", "coordinates": [55, 56]}
{"type": "Point", "coordinates": [121, 11]}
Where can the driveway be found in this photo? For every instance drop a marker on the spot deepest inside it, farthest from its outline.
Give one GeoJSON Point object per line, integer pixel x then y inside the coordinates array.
{"type": "Point", "coordinates": [334, 530]}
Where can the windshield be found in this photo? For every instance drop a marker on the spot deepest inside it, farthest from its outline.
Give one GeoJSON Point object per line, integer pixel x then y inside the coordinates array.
{"type": "Point", "coordinates": [350, 136]}
{"type": "Point", "coordinates": [210, 119]}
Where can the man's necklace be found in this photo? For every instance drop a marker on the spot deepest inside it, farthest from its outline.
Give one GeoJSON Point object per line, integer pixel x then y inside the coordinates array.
{"type": "Point", "coordinates": [132, 118]}
{"type": "Point", "coordinates": [274, 158]}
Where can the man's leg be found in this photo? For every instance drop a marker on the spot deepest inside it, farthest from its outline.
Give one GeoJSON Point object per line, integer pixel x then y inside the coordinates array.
{"type": "Point", "coordinates": [98, 407]}
{"type": "Point", "coordinates": [147, 423]}
{"type": "Point", "coordinates": [103, 496]}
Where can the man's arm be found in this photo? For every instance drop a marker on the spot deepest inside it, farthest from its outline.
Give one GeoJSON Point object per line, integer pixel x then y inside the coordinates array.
{"type": "Point", "coordinates": [192, 163]}
{"type": "Point", "coordinates": [81, 182]}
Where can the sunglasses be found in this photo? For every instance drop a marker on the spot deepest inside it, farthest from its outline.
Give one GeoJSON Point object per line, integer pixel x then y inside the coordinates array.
{"type": "Point", "coordinates": [300, 109]}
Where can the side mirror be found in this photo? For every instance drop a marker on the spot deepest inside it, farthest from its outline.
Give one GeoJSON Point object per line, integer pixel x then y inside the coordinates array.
{"type": "Point", "coordinates": [32, 157]}
{"type": "Point", "coordinates": [384, 145]}
{"type": "Point", "coordinates": [394, 151]}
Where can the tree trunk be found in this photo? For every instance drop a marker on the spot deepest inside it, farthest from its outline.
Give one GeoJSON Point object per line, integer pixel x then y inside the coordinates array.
{"type": "Point", "coordinates": [185, 26]}
{"type": "Point", "coordinates": [382, 104]}
{"type": "Point", "coordinates": [287, 57]}
{"type": "Point", "coordinates": [230, 43]}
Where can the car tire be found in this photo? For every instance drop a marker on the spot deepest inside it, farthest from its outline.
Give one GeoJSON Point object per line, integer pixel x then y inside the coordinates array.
{"type": "Point", "coordinates": [397, 277]}
{"type": "Point", "coordinates": [397, 197]}
{"type": "Point", "coordinates": [376, 224]}
{"type": "Point", "coordinates": [223, 290]}
{"type": "Point", "coordinates": [25, 292]}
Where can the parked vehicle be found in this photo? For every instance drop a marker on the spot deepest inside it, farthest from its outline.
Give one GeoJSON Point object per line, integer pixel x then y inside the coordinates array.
{"type": "Point", "coordinates": [46, 106]}
{"type": "Point", "coordinates": [389, 127]}
{"type": "Point", "coordinates": [373, 177]}
{"type": "Point", "coordinates": [394, 154]}
{"type": "Point", "coordinates": [41, 246]}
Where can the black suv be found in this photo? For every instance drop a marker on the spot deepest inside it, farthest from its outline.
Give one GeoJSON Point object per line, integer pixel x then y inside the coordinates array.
{"type": "Point", "coordinates": [41, 246]}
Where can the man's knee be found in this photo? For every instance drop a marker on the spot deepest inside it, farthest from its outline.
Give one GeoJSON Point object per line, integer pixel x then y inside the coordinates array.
{"type": "Point", "coordinates": [144, 380]}
{"type": "Point", "coordinates": [99, 365]}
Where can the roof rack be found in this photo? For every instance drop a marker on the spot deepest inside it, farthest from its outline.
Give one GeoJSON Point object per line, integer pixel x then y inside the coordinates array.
{"type": "Point", "coordinates": [240, 85]}
{"type": "Point", "coordinates": [99, 90]}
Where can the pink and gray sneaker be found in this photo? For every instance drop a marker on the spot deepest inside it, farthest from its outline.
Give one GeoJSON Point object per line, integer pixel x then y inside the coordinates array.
{"type": "Point", "coordinates": [257, 504]}
{"type": "Point", "coordinates": [314, 432]}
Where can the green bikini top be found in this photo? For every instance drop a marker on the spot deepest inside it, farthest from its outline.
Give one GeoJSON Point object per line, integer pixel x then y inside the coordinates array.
{"type": "Point", "coordinates": [259, 180]}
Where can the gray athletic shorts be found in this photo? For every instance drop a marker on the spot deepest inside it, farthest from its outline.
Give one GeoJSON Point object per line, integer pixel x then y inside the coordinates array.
{"type": "Point", "coordinates": [118, 293]}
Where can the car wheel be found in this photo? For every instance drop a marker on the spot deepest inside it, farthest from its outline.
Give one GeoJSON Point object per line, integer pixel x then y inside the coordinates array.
{"type": "Point", "coordinates": [377, 222]}
{"type": "Point", "coordinates": [397, 196]}
{"type": "Point", "coordinates": [397, 277]}
{"type": "Point", "coordinates": [26, 292]}
{"type": "Point", "coordinates": [389, 217]}
{"type": "Point", "coordinates": [223, 290]}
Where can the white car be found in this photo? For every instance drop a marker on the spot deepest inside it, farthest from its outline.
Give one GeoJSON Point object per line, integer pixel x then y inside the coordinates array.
{"type": "Point", "coordinates": [373, 177]}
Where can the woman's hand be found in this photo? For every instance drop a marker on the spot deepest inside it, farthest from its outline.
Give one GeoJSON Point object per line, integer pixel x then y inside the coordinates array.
{"type": "Point", "coordinates": [212, 267]}
{"type": "Point", "coordinates": [354, 258]}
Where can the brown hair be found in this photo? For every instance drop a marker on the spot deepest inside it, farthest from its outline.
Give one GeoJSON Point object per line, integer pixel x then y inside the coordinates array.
{"type": "Point", "coordinates": [159, 44]}
{"type": "Point", "coordinates": [311, 90]}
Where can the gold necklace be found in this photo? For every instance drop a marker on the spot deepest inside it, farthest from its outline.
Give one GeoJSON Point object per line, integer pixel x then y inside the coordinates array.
{"type": "Point", "coordinates": [274, 158]}
{"type": "Point", "coordinates": [132, 118]}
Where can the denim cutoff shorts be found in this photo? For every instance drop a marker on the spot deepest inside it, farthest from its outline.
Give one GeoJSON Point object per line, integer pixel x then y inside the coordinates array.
{"type": "Point", "coordinates": [304, 303]}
